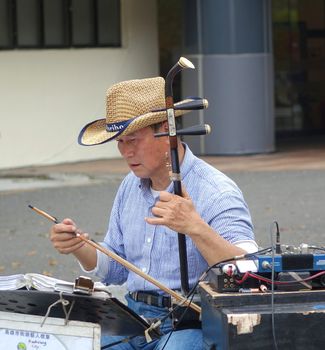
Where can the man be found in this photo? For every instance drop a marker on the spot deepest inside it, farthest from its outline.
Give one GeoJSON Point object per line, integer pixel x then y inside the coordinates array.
{"type": "Point", "coordinates": [146, 215]}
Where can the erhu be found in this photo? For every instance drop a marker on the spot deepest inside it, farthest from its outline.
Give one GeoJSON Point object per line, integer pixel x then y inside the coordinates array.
{"type": "Point", "coordinates": [204, 129]}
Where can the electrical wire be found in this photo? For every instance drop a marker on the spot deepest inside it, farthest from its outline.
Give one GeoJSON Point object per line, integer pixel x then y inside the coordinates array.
{"type": "Point", "coordinates": [191, 293]}
{"type": "Point", "coordinates": [317, 248]}
{"type": "Point", "coordinates": [273, 249]}
{"type": "Point", "coordinates": [179, 321]}
{"type": "Point", "coordinates": [270, 281]}
{"type": "Point", "coordinates": [124, 340]}
{"type": "Point", "coordinates": [275, 344]}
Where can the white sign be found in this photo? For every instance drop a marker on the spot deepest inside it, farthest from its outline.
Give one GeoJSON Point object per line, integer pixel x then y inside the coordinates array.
{"type": "Point", "coordinates": [27, 340]}
{"type": "Point", "coordinates": [24, 332]}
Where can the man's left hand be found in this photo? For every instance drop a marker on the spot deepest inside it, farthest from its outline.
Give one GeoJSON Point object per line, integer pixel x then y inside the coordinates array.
{"type": "Point", "coordinates": [177, 213]}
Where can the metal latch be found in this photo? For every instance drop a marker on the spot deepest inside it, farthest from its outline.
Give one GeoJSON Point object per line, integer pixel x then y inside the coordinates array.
{"type": "Point", "coordinates": [84, 285]}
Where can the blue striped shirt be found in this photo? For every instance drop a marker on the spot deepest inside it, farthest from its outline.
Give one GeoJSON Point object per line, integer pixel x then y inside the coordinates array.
{"type": "Point", "coordinates": [154, 249]}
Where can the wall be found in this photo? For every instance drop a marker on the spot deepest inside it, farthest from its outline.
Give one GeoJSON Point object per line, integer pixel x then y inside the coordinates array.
{"type": "Point", "coordinates": [47, 96]}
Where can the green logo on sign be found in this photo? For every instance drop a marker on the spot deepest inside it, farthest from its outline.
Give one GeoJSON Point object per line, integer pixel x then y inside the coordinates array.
{"type": "Point", "coordinates": [21, 346]}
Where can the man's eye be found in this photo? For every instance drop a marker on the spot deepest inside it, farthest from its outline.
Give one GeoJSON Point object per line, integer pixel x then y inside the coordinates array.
{"type": "Point", "coordinates": [131, 141]}
{"type": "Point", "coordinates": [127, 141]}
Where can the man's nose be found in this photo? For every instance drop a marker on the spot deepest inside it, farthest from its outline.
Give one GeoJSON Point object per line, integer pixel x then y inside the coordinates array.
{"type": "Point", "coordinates": [127, 151]}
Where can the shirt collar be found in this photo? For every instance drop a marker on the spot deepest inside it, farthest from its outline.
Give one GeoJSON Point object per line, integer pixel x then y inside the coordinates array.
{"type": "Point", "coordinates": [187, 162]}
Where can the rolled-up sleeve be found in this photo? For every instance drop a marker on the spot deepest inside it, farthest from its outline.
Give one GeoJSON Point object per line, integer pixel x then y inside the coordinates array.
{"type": "Point", "coordinates": [230, 217]}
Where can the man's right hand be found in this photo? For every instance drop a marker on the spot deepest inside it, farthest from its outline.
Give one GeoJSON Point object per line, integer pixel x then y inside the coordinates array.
{"type": "Point", "coordinates": [64, 239]}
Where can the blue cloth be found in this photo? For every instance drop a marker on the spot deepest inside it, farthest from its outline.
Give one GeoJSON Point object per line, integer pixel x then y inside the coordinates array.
{"type": "Point", "coordinates": [179, 340]}
{"type": "Point", "coordinates": [154, 249]}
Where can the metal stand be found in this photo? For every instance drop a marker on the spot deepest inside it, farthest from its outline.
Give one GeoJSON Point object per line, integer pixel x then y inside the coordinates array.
{"type": "Point", "coordinates": [114, 317]}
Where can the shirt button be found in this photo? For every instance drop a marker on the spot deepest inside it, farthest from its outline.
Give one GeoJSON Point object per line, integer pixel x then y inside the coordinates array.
{"type": "Point", "coordinates": [148, 240]}
{"type": "Point", "coordinates": [144, 269]}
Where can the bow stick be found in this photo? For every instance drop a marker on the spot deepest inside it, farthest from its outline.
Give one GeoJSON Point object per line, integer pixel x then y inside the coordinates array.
{"type": "Point", "coordinates": [125, 263]}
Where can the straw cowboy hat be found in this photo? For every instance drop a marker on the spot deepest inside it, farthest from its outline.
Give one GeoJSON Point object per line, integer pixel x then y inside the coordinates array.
{"type": "Point", "coordinates": [130, 105]}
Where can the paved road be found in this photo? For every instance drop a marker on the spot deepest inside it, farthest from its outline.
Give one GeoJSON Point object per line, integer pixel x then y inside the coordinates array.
{"type": "Point", "coordinates": [294, 198]}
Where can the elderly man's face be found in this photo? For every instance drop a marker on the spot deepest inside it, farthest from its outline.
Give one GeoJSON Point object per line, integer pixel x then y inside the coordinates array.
{"type": "Point", "coordinates": [145, 154]}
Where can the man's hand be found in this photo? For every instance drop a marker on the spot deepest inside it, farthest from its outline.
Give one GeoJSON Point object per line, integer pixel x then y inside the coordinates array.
{"type": "Point", "coordinates": [177, 213]}
{"type": "Point", "coordinates": [63, 237]}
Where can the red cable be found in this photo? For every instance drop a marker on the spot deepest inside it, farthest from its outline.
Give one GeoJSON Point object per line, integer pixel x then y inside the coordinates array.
{"type": "Point", "coordinates": [264, 279]}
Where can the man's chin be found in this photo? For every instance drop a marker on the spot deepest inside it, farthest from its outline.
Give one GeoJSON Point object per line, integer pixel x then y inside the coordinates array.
{"type": "Point", "coordinates": [139, 173]}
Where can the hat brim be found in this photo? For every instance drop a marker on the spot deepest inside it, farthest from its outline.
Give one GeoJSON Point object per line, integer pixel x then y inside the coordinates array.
{"type": "Point", "coordinates": [95, 133]}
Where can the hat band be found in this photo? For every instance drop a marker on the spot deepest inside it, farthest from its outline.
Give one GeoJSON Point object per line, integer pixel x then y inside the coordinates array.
{"type": "Point", "coordinates": [119, 126]}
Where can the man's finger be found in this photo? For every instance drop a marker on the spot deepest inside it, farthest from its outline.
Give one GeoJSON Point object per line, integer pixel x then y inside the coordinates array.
{"type": "Point", "coordinates": [68, 221]}
{"type": "Point", "coordinates": [58, 228]}
{"type": "Point", "coordinates": [165, 196]}
{"type": "Point", "coordinates": [65, 236]}
{"type": "Point", "coordinates": [154, 221]}
{"type": "Point", "coordinates": [70, 249]}
{"type": "Point", "coordinates": [184, 193]}
{"type": "Point", "coordinates": [158, 211]}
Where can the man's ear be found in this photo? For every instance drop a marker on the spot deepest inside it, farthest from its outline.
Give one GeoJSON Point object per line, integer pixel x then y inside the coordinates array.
{"type": "Point", "coordinates": [165, 126]}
